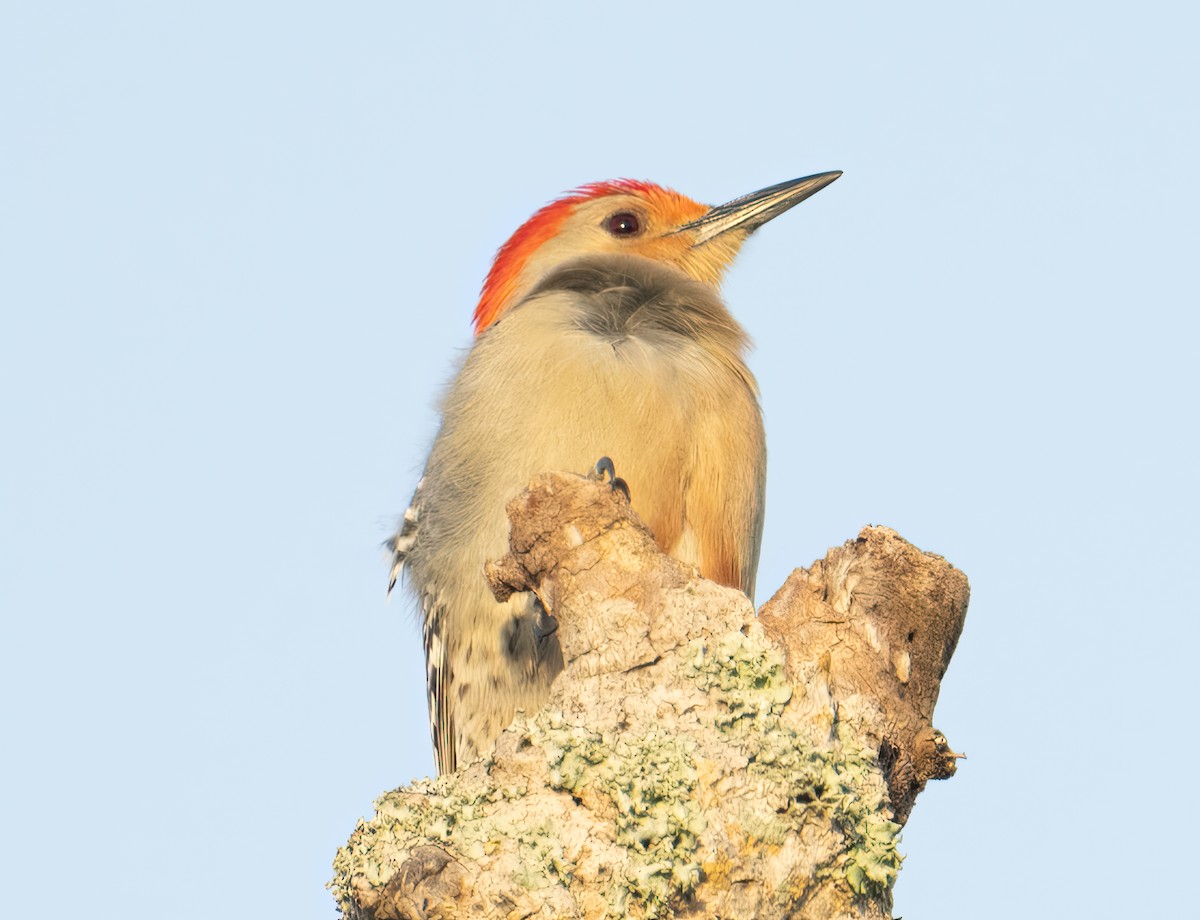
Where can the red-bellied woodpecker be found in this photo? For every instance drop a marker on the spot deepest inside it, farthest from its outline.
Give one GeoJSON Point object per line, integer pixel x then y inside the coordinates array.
{"type": "Point", "coordinates": [600, 332]}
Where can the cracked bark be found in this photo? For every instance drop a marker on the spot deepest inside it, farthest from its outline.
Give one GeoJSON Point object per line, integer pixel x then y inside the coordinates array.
{"type": "Point", "coordinates": [693, 759]}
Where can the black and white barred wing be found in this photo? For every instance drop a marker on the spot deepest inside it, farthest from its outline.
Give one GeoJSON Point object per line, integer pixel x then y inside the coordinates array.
{"type": "Point", "coordinates": [437, 667]}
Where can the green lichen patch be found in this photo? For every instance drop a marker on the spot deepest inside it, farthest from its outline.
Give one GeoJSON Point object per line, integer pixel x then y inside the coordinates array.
{"type": "Point", "coordinates": [873, 861]}
{"type": "Point", "coordinates": [840, 783]}
{"type": "Point", "coordinates": [745, 673]}
{"type": "Point", "coordinates": [650, 780]}
{"type": "Point", "coordinates": [437, 812]}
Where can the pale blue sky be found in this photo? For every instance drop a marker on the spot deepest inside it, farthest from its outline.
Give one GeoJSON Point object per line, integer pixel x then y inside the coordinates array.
{"type": "Point", "coordinates": [240, 245]}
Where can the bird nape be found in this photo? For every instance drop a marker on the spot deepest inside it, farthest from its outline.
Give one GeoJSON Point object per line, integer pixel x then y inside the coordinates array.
{"type": "Point", "coordinates": [600, 332]}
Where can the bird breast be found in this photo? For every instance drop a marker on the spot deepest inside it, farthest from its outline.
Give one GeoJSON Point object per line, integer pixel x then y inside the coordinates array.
{"type": "Point", "coordinates": [607, 356]}
{"type": "Point", "coordinates": [628, 298]}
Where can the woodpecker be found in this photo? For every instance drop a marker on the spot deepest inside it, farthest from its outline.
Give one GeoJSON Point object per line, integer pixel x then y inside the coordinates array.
{"type": "Point", "coordinates": [600, 332]}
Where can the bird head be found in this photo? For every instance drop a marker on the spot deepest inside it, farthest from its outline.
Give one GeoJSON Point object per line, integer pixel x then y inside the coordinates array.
{"type": "Point", "coordinates": [633, 218]}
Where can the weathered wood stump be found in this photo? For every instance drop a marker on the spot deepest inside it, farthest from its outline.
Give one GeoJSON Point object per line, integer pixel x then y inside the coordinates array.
{"type": "Point", "coordinates": [693, 759]}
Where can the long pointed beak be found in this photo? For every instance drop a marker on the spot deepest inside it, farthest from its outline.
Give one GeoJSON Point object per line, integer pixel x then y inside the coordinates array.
{"type": "Point", "coordinates": [750, 212]}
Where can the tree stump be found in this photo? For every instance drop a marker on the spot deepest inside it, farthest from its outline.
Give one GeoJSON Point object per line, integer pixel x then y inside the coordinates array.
{"type": "Point", "coordinates": [693, 759]}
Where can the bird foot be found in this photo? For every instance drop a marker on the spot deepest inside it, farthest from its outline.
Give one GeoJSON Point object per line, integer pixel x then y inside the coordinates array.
{"type": "Point", "coordinates": [544, 624]}
{"type": "Point", "coordinates": [604, 466]}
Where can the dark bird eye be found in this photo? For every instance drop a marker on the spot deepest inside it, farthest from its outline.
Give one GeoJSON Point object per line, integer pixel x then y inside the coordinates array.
{"type": "Point", "coordinates": [624, 223]}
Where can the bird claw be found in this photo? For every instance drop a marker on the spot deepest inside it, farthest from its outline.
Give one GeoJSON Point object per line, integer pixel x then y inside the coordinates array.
{"type": "Point", "coordinates": [604, 466]}
{"type": "Point", "coordinates": [544, 623]}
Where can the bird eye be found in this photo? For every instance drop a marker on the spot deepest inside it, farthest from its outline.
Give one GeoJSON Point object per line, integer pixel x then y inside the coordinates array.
{"type": "Point", "coordinates": [623, 223]}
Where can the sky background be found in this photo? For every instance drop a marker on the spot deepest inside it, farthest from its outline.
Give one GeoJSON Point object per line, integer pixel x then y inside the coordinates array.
{"type": "Point", "coordinates": [240, 245]}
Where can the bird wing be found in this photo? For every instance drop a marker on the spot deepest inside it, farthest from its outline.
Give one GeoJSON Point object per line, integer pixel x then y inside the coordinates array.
{"type": "Point", "coordinates": [406, 537]}
{"type": "Point", "coordinates": [438, 680]}
{"type": "Point", "coordinates": [437, 668]}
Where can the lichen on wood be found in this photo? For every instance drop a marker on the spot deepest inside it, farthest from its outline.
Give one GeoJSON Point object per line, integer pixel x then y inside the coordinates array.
{"type": "Point", "coordinates": [693, 759]}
